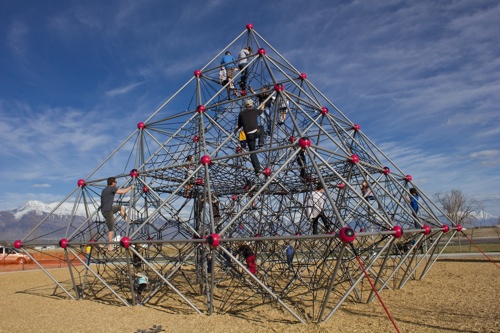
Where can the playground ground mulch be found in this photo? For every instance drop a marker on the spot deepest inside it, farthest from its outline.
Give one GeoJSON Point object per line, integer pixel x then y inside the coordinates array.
{"type": "Point", "coordinates": [457, 295]}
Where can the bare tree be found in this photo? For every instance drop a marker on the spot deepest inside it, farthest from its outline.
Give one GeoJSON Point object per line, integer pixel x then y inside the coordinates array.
{"type": "Point", "coordinates": [459, 207]}
{"type": "Point", "coordinates": [496, 228]}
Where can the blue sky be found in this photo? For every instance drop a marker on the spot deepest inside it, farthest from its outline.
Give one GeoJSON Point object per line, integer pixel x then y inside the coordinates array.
{"type": "Point", "coordinates": [420, 77]}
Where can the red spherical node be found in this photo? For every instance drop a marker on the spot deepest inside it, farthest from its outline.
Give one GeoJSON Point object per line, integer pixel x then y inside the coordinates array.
{"type": "Point", "coordinates": [257, 235]}
{"type": "Point", "coordinates": [199, 181]}
{"type": "Point", "coordinates": [134, 173]}
{"type": "Point", "coordinates": [197, 73]}
{"type": "Point", "coordinates": [408, 178]}
{"type": "Point", "coordinates": [303, 76]}
{"type": "Point", "coordinates": [267, 172]}
{"type": "Point", "coordinates": [63, 243]}
{"type": "Point", "coordinates": [141, 125]}
{"type": "Point", "coordinates": [446, 228]}
{"type": "Point", "coordinates": [324, 110]}
{"type": "Point", "coordinates": [278, 87]}
{"type": "Point", "coordinates": [304, 142]}
{"type": "Point", "coordinates": [243, 92]}
{"type": "Point", "coordinates": [205, 160]}
{"type": "Point", "coordinates": [238, 150]}
{"type": "Point", "coordinates": [81, 182]}
{"type": "Point", "coordinates": [398, 231]}
{"type": "Point", "coordinates": [249, 26]}
{"type": "Point", "coordinates": [213, 240]}
{"type": "Point", "coordinates": [426, 229]}
{"type": "Point", "coordinates": [386, 171]}
{"type": "Point", "coordinates": [292, 139]}
{"type": "Point", "coordinates": [297, 234]}
{"type": "Point", "coordinates": [196, 138]}
{"type": "Point", "coordinates": [354, 159]}
{"type": "Point", "coordinates": [125, 242]}
{"type": "Point", "coordinates": [362, 230]}
{"type": "Point", "coordinates": [341, 185]}
{"type": "Point", "coordinates": [261, 52]}
{"type": "Point", "coordinates": [18, 244]}
{"type": "Point", "coordinates": [234, 197]}
{"type": "Point", "coordinates": [459, 227]}
{"type": "Point", "coordinates": [356, 127]}
{"type": "Point", "coordinates": [200, 108]}
{"type": "Point", "coordinates": [240, 226]}
{"type": "Point", "coordinates": [347, 235]}
{"type": "Point", "coordinates": [145, 189]}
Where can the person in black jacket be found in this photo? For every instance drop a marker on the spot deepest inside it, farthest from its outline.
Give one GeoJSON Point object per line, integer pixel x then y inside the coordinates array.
{"type": "Point", "coordinates": [248, 120]}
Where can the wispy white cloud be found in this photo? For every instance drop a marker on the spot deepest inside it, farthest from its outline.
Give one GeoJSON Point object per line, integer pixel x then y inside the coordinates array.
{"type": "Point", "coordinates": [17, 37]}
{"type": "Point", "coordinates": [123, 90]}
{"type": "Point", "coordinates": [41, 185]}
{"type": "Point", "coordinates": [486, 154]}
{"type": "Point", "coordinates": [11, 200]}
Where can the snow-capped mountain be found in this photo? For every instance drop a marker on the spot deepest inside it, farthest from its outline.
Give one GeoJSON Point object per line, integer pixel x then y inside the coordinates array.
{"type": "Point", "coordinates": [484, 219]}
{"type": "Point", "coordinates": [17, 223]}
{"type": "Point", "coordinates": [40, 209]}
{"type": "Point", "coordinates": [484, 216]}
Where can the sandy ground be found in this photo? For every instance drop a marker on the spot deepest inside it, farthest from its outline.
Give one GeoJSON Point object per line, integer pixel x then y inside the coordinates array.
{"type": "Point", "coordinates": [455, 296]}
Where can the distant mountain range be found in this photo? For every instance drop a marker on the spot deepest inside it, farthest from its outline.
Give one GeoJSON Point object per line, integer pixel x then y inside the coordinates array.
{"type": "Point", "coordinates": [40, 209]}
{"type": "Point", "coordinates": [484, 216]}
{"type": "Point", "coordinates": [17, 223]}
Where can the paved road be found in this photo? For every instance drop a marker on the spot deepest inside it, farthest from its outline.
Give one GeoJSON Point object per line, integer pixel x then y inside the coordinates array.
{"type": "Point", "coordinates": [482, 240]}
{"type": "Point", "coordinates": [492, 255]}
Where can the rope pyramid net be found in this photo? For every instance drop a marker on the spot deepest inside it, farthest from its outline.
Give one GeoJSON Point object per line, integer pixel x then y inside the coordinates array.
{"type": "Point", "coordinates": [199, 211]}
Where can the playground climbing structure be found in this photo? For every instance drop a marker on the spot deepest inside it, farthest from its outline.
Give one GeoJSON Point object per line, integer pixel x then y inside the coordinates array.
{"type": "Point", "coordinates": [188, 217]}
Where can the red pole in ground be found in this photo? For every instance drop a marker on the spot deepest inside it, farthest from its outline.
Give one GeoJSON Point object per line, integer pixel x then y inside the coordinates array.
{"type": "Point", "coordinates": [477, 247]}
{"type": "Point", "coordinates": [347, 235]}
{"type": "Point", "coordinates": [374, 289]}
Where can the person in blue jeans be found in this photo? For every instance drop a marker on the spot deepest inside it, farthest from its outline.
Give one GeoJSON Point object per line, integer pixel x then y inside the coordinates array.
{"type": "Point", "coordinates": [289, 255]}
{"type": "Point", "coordinates": [413, 201]}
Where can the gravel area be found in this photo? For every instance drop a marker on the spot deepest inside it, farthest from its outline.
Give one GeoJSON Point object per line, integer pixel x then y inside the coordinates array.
{"type": "Point", "coordinates": [455, 296]}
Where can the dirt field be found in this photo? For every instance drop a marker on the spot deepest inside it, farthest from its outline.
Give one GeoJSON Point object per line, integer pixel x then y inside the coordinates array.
{"type": "Point", "coordinates": [456, 296]}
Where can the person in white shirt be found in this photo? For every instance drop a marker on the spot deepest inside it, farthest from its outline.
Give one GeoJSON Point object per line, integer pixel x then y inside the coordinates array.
{"type": "Point", "coordinates": [315, 206]}
{"type": "Point", "coordinates": [242, 62]}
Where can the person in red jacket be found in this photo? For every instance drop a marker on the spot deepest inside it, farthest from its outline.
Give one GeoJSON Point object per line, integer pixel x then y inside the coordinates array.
{"type": "Point", "coordinates": [246, 251]}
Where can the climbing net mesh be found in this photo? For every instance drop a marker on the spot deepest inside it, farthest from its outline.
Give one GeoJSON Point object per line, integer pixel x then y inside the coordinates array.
{"type": "Point", "coordinates": [212, 235]}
